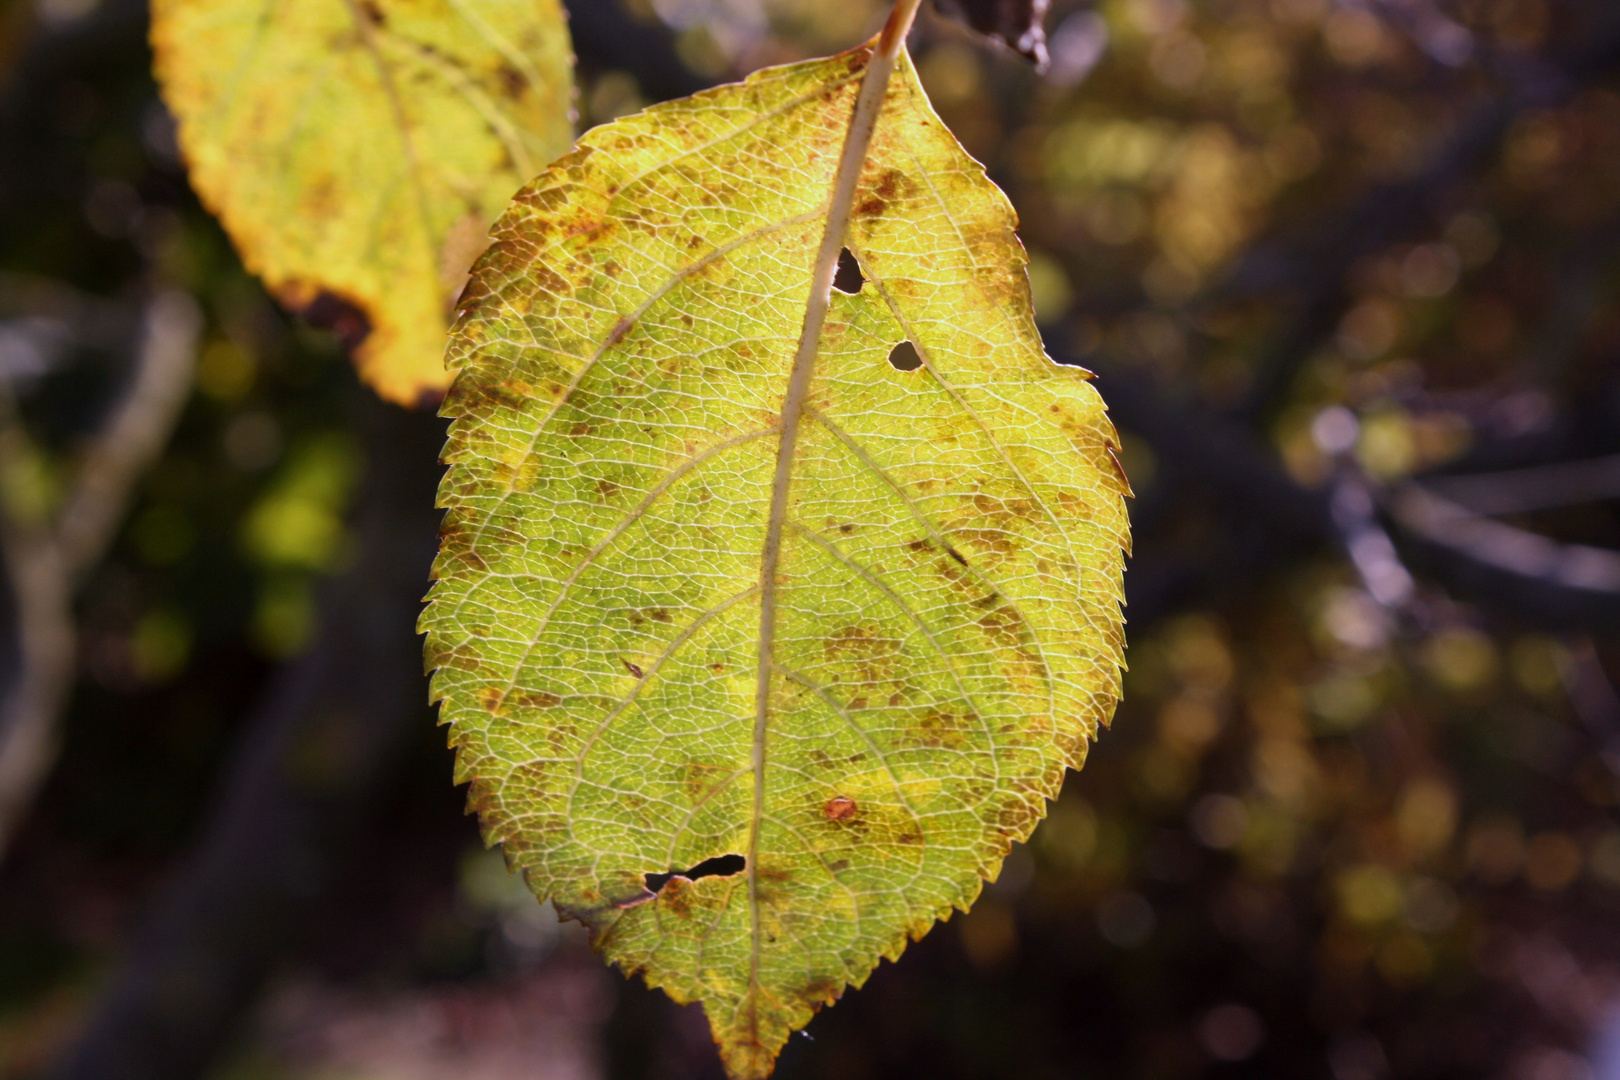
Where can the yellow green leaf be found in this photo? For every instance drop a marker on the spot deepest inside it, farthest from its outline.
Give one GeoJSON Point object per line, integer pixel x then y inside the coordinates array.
{"type": "Point", "coordinates": [944, 626]}
{"type": "Point", "coordinates": [360, 148]}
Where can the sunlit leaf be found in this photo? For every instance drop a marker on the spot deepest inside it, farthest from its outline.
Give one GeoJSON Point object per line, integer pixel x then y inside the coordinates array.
{"type": "Point", "coordinates": [947, 627]}
{"type": "Point", "coordinates": [357, 150]}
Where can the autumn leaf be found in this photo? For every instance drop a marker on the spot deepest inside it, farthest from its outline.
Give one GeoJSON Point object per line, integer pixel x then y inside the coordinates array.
{"type": "Point", "coordinates": [357, 150]}
{"type": "Point", "coordinates": [760, 646]}
{"type": "Point", "coordinates": [1018, 24]}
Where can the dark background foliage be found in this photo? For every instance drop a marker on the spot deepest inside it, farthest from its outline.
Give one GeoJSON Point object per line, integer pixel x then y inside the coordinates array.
{"type": "Point", "coordinates": [1347, 271]}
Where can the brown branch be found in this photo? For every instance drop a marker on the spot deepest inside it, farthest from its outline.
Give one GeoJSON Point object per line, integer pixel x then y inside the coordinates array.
{"type": "Point", "coordinates": [45, 562]}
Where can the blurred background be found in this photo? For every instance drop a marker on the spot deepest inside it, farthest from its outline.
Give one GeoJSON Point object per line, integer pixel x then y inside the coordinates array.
{"type": "Point", "coordinates": [1349, 274]}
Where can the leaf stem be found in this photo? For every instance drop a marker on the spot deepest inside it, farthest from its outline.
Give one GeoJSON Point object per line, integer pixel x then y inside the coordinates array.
{"type": "Point", "coordinates": [895, 30]}
{"type": "Point", "coordinates": [862, 123]}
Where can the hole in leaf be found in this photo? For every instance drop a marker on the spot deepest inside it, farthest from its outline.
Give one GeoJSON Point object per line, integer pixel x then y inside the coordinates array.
{"type": "Point", "coordinates": [719, 866]}
{"type": "Point", "coordinates": [848, 278]}
{"type": "Point", "coordinates": [903, 357]}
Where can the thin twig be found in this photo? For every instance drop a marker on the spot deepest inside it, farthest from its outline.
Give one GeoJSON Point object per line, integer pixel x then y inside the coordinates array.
{"type": "Point", "coordinates": [46, 562]}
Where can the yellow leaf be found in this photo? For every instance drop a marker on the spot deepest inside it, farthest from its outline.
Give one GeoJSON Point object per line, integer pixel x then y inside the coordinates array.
{"type": "Point", "coordinates": [753, 786]}
{"type": "Point", "coordinates": [358, 149]}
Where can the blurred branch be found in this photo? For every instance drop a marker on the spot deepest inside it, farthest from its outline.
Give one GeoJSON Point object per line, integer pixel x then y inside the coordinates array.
{"type": "Point", "coordinates": [1368, 543]}
{"type": "Point", "coordinates": [1544, 487]}
{"type": "Point", "coordinates": [1514, 570]}
{"type": "Point", "coordinates": [296, 800]}
{"type": "Point", "coordinates": [91, 321]}
{"type": "Point", "coordinates": [1510, 570]}
{"type": "Point", "coordinates": [47, 560]}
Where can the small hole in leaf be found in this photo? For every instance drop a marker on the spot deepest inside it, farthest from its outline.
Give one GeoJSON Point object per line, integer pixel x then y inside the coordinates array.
{"type": "Point", "coordinates": [848, 278]}
{"type": "Point", "coordinates": [719, 866]}
{"type": "Point", "coordinates": [903, 357]}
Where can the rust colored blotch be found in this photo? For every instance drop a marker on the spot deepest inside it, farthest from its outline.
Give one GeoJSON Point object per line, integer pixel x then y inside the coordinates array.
{"type": "Point", "coordinates": [512, 80]}
{"type": "Point", "coordinates": [839, 808]}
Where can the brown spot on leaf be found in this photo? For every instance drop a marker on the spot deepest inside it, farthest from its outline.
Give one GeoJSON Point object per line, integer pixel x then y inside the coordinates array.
{"type": "Point", "coordinates": [821, 990]}
{"type": "Point", "coordinates": [891, 183]}
{"type": "Point", "coordinates": [512, 80]}
{"type": "Point", "coordinates": [871, 657]}
{"type": "Point", "coordinates": [633, 669]}
{"type": "Point", "coordinates": [839, 808]}
{"type": "Point", "coordinates": [940, 727]}
{"type": "Point", "coordinates": [676, 897]}
{"type": "Point", "coordinates": [699, 778]}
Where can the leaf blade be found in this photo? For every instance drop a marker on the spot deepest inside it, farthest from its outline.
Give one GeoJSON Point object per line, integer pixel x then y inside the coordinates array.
{"type": "Point", "coordinates": [360, 148]}
{"type": "Point", "coordinates": [937, 664]}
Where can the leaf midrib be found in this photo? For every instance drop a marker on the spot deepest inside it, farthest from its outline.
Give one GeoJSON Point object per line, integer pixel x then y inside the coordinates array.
{"type": "Point", "coordinates": [851, 159]}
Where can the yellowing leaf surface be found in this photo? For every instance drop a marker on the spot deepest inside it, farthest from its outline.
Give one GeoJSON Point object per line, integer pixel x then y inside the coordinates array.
{"type": "Point", "coordinates": [947, 632]}
{"type": "Point", "coordinates": [360, 148]}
